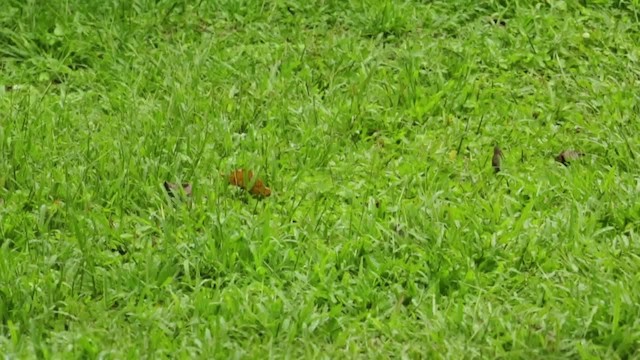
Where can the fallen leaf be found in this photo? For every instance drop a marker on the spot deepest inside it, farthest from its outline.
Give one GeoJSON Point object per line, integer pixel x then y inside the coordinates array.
{"type": "Point", "coordinates": [242, 178]}
{"type": "Point", "coordinates": [174, 189]}
{"type": "Point", "coordinates": [497, 159]}
{"type": "Point", "coordinates": [568, 156]}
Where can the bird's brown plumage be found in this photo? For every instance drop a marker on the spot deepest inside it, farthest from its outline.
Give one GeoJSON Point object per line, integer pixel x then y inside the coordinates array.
{"type": "Point", "coordinates": [568, 156]}
{"type": "Point", "coordinates": [242, 179]}
{"type": "Point", "coordinates": [497, 159]}
{"type": "Point", "coordinates": [174, 189]}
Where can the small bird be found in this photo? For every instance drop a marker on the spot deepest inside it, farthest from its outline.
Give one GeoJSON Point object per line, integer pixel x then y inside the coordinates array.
{"type": "Point", "coordinates": [496, 160]}
{"type": "Point", "coordinates": [568, 156]}
{"type": "Point", "coordinates": [174, 189]}
{"type": "Point", "coordinates": [242, 178]}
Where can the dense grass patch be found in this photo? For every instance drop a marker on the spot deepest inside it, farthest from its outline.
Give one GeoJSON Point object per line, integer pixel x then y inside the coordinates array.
{"type": "Point", "coordinates": [373, 122]}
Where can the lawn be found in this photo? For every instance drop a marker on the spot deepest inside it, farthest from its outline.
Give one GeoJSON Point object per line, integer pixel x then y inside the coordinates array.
{"type": "Point", "coordinates": [386, 234]}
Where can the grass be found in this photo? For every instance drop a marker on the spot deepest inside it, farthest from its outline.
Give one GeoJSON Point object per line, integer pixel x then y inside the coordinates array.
{"type": "Point", "coordinates": [373, 122]}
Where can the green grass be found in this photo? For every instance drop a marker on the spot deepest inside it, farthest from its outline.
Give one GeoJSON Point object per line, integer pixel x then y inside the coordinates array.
{"type": "Point", "coordinates": [373, 122]}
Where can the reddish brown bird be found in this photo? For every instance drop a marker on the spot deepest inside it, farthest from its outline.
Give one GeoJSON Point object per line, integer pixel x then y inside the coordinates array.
{"type": "Point", "coordinates": [497, 159]}
{"type": "Point", "coordinates": [568, 156]}
{"type": "Point", "coordinates": [242, 179]}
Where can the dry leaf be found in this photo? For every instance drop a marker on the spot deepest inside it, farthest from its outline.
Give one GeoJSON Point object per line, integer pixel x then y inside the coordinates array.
{"type": "Point", "coordinates": [497, 159]}
{"type": "Point", "coordinates": [568, 156]}
{"type": "Point", "coordinates": [174, 189]}
{"type": "Point", "coordinates": [242, 178]}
